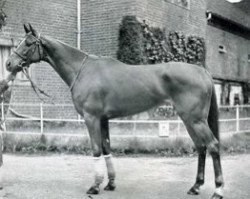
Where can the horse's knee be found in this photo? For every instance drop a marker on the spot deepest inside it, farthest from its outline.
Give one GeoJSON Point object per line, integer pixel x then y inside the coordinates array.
{"type": "Point", "coordinates": [214, 148]}
{"type": "Point", "coordinates": [97, 151]}
{"type": "Point", "coordinates": [96, 148]}
{"type": "Point", "coordinates": [106, 147]}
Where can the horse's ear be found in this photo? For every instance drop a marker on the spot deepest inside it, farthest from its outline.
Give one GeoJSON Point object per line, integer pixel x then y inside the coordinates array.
{"type": "Point", "coordinates": [33, 31]}
{"type": "Point", "coordinates": [26, 29]}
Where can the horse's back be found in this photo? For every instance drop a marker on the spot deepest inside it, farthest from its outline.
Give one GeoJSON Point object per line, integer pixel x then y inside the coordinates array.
{"type": "Point", "coordinates": [186, 73]}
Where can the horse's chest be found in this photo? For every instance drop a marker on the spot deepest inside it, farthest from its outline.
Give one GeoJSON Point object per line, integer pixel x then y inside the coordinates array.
{"type": "Point", "coordinates": [87, 100]}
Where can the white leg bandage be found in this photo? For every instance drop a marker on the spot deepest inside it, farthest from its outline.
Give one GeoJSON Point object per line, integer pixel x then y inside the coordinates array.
{"type": "Point", "coordinates": [110, 167]}
{"type": "Point", "coordinates": [219, 191]}
{"type": "Point", "coordinates": [99, 170]}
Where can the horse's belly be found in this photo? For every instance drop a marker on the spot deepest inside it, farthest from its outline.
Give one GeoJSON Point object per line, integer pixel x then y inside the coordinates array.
{"type": "Point", "coordinates": [124, 105]}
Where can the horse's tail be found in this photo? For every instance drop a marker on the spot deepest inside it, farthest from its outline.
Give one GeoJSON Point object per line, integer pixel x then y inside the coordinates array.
{"type": "Point", "coordinates": [213, 116]}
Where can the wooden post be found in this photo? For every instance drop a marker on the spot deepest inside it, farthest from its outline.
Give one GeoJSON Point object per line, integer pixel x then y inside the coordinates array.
{"type": "Point", "coordinates": [79, 118]}
{"type": "Point", "coordinates": [134, 128]}
{"type": "Point", "coordinates": [2, 115]}
{"type": "Point", "coordinates": [237, 119]}
{"type": "Point", "coordinates": [41, 117]}
{"type": "Point", "coordinates": [179, 126]}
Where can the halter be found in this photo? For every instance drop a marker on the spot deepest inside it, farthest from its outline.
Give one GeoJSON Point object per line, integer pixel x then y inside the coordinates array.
{"type": "Point", "coordinates": [27, 59]}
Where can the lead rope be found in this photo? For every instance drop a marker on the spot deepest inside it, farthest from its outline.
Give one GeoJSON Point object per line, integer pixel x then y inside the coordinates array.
{"type": "Point", "coordinates": [38, 90]}
{"type": "Point", "coordinates": [35, 87]}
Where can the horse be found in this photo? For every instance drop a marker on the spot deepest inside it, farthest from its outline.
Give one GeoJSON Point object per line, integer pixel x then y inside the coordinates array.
{"type": "Point", "coordinates": [103, 88]}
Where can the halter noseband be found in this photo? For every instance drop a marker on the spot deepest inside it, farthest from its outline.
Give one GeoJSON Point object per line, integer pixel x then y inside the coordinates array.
{"type": "Point", "coordinates": [27, 59]}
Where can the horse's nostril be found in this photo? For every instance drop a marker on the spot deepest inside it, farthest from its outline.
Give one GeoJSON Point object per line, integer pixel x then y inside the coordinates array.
{"type": "Point", "coordinates": [8, 65]}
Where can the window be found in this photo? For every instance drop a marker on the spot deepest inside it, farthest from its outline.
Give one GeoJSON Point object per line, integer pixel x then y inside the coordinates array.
{"type": "Point", "coordinates": [222, 49]}
{"type": "Point", "coordinates": [218, 91]}
{"type": "Point", "coordinates": [236, 95]}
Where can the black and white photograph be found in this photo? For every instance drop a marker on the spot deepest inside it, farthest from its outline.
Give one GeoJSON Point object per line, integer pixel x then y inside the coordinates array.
{"type": "Point", "coordinates": [129, 99]}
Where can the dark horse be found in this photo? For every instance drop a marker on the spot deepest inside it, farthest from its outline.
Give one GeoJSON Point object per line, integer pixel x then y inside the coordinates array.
{"type": "Point", "coordinates": [103, 88]}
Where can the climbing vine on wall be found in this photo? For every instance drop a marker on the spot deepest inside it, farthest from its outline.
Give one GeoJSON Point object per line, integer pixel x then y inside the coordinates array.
{"type": "Point", "coordinates": [141, 44]}
{"type": "Point", "coordinates": [195, 50]}
{"type": "Point", "coordinates": [155, 45]}
{"type": "Point", "coordinates": [130, 47]}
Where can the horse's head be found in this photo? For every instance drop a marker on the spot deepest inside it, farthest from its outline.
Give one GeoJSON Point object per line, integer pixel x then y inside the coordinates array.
{"type": "Point", "coordinates": [29, 51]}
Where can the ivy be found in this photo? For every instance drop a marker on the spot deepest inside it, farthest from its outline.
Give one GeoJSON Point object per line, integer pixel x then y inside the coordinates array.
{"type": "Point", "coordinates": [195, 52]}
{"type": "Point", "coordinates": [130, 48]}
{"type": "Point", "coordinates": [141, 44]}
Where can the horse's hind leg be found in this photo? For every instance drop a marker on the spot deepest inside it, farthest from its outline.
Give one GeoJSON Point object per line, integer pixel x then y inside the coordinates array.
{"type": "Point", "coordinates": [203, 136]}
{"type": "Point", "coordinates": [107, 155]}
{"type": "Point", "coordinates": [200, 179]}
{"type": "Point", "coordinates": [219, 183]}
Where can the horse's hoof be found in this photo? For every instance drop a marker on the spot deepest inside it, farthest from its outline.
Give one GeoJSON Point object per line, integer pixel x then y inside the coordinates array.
{"type": "Point", "coordinates": [193, 191]}
{"type": "Point", "coordinates": [94, 190]}
{"type": "Point", "coordinates": [216, 196]}
{"type": "Point", "coordinates": [111, 186]}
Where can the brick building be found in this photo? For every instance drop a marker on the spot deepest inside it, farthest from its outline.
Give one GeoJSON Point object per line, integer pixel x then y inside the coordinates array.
{"type": "Point", "coordinates": [99, 23]}
{"type": "Point", "coordinates": [228, 49]}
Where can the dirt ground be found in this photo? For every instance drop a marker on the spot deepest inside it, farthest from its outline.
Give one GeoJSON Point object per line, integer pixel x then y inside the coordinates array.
{"type": "Point", "coordinates": [69, 177]}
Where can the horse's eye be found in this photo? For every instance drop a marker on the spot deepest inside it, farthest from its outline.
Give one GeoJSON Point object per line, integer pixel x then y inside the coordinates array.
{"type": "Point", "coordinates": [28, 43]}
{"type": "Point", "coordinates": [24, 53]}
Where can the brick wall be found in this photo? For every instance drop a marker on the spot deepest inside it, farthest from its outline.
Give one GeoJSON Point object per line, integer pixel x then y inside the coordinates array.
{"type": "Point", "coordinates": [233, 64]}
{"type": "Point", "coordinates": [162, 13]}
{"type": "Point", "coordinates": [100, 24]}
{"type": "Point", "coordinates": [53, 18]}
{"type": "Point", "coordinates": [101, 19]}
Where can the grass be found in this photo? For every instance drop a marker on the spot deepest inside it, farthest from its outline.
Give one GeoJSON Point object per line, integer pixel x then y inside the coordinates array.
{"type": "Point", "coordinates": [237, 144]}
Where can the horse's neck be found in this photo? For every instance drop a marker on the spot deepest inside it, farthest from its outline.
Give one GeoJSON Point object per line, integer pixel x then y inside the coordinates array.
{"type": "Point", "coordinates": [64, 59]}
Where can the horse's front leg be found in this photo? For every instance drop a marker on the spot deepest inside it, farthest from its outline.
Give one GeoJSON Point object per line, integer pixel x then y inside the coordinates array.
{"type": "Point", "coordinates": [107, 155]}
{"type": "Point", "coordinates": [94, 127]}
